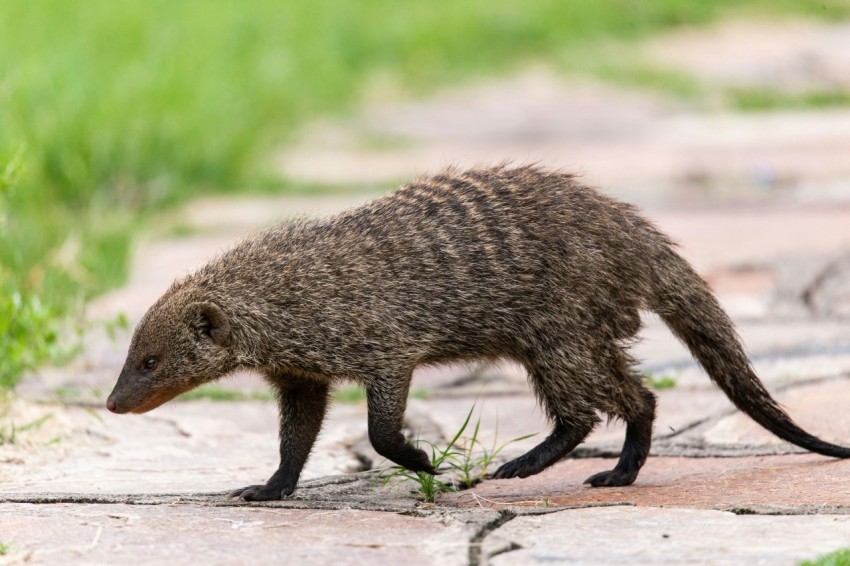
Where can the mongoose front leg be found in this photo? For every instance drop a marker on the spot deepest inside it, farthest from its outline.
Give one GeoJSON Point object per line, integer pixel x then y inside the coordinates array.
{"type": "Point", "coordinates": [302, 406]}
{"type": "Point", "coordinates": [387, 401]}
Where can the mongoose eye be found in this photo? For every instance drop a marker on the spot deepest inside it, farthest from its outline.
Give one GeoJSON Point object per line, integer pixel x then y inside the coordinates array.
{"type": "Point", "coordinates": [150, 363]}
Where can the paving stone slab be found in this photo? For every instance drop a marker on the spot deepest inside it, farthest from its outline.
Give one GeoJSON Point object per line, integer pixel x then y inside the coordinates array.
{"type": "Point", "coordinates": [186, 534]}
{"type": "Point", "coordinates": [366, 491]}
{"type": "Point", "coordinates": [663, 536]}
{"type": "Point", "coordinates": [804, 483]}
{"type": "Point", "coordinates": [188, 446]}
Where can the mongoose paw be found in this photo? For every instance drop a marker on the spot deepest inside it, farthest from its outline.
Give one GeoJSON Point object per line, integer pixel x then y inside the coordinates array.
{"type": "Point", "coordinates": [412, 458]}
{"type": "Point", "coordinates": [521, 467]}
{"type": "Point", "coordinates": [420, 463]}
{"type": "Point", "coordinates": [611, 478]}
{"type": "Point", "coordinates": [261, 493]}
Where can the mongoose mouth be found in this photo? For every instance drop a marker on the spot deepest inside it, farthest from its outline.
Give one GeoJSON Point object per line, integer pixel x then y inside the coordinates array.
{"type": "Point", "coordinates": [159, 398]}
{"type": "Point", "coordinates": [146, 405]}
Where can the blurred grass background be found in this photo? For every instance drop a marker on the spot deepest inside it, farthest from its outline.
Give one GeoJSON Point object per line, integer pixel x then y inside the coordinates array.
{"type": "Point", "coordinates": [113, 111]}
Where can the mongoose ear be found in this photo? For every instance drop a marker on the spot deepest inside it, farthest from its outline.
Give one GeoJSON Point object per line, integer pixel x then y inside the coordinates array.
{"type": "Point", "coordinates": [209, 320]}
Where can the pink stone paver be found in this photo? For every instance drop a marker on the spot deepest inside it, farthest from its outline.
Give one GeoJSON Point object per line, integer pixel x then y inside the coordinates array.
{"type": "Point", "coordinates": [182, 534]}
{"type": "Point", "coordinates": [793, 481]}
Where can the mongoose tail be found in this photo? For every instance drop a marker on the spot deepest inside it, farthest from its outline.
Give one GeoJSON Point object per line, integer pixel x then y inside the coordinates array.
{"type": "Point", "coordinates": [687, 306]}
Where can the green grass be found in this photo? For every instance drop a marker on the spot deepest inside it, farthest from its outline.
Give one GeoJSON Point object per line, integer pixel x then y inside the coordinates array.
{"type": "Point", "coordinates": [112, 111]}
{"type": "Point", "coordinates": [349, 394]}
{"type": "Point", "coordinates": [659, 382]}
{"type": "Point", "coordinates": [837, 558]}
{"type": "Point", "coordinates": [756, 99]}
{"type": "Point", "coordinates": [356, 394]}
{"type": "Point", "coordinates": [4, 549]}
{"type": "Point", "coordinates": [429, 487]}
{"type": "Point", "coordinates": [467, 457]}
{"type": "Point", "coordinates": [217, 393]}
{"type": "Point", "coordinates": [9, 432]}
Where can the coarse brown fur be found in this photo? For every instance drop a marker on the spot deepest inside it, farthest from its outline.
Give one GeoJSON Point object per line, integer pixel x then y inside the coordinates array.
{"type": "Point", "coordinates": [516, 263]}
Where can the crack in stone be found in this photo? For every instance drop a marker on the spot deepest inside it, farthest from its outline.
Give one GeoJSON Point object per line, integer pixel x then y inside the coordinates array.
{"type": "Point", "coordinates": [810, 294]}
{"type": "Point", "coordinates": [477, 540]}
{"type": "Point", "coordinates": [509, 548]}
{"type": "Point", "coordinates": [781, 510]}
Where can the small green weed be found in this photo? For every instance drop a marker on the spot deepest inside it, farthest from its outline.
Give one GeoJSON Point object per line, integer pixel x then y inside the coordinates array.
{"type": "Point", "coordinates": [118, 324]}
{"type": "Point", "coordinates": [837, 558]}
{"type": "Point", "coordinates": [659, 382]}
{"type": "Point", "coordinates": [468, 459]}
{"type": "Point", "coordinates": [9, 433]}
{"type": "Point", "coordinates": [470, 465]}
{"type": "Point", "coordinates": [4, 549]}
{"type": "Point", "coordinates": [430, 486]}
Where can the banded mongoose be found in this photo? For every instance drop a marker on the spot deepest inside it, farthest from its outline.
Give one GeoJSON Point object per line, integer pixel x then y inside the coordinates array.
{"type": "Point", "coordinates": [508, 262]}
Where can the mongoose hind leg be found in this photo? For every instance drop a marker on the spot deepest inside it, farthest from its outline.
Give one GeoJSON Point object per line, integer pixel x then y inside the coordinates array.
{"type": "Point", "coordinates": [560, 394]}
{"type": "Point", "coordinates": [562, 440]}
{"type": "Point", "coordinates": [637, 408]}
{"type": "Point", "coordinates": [386, 399]}
{"type": "Point", "coordinates": [302, 405]}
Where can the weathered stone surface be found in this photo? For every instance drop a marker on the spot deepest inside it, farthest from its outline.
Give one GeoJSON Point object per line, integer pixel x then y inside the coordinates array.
{"type": "Point", "coordinates": [662, 536]}
{"type": "Point", "coordinates": [792, 483]}
{"type": "Point", "coordinates": [183, 534]}
{"type": "Point", "coordinates": [189, 446]}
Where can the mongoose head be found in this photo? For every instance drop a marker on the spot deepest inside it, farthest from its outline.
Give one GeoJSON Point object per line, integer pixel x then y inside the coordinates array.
{"type": "Point", "coordinates": [178, 345]}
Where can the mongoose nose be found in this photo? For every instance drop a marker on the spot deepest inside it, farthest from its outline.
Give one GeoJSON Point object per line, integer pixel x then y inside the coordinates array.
{"type": "Point", "coordinates": [112, 405]}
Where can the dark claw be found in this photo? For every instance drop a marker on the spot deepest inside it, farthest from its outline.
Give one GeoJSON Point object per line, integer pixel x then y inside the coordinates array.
{"type": "Point", "coordinates": [260, 493]}
{"type": "Point", "coordinates": [428, 468]}
{"type": "Point", "coordinates": [522, 467]}
{"type": "Point", "coordinates": [611, 478]}
{"type": "Point", "coordinates": [413, 459]}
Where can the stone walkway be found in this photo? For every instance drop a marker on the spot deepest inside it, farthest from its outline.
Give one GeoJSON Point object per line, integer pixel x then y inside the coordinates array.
{"type": "Point", "coordinates": [81, 485]}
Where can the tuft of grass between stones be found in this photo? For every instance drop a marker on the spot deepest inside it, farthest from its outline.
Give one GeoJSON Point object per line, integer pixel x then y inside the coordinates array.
{"type": "Point", "coordinates": [466, 457]}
